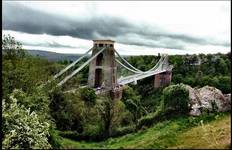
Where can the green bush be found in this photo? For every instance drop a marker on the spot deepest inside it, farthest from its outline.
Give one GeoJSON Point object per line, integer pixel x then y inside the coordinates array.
{"type": "Point", "coordinates": [11, 48]}
{"type": "Point", "coordinates": [88, 95]}
{"type": "Point", "coordinates": [224, 84]}
{"type": "Point", "coordinates": [92, 130]}
{"type": "Point", "coordinates": [22, 128]}
{"type": "Point", "coordinates": [37, 101]}
{"type": "Point", "coordinates": [146, 121]}
{"type": "Point", "coordinates": [123, 131]}
{"type": "Point", "coordinates": [152, 99]}
{"type": "Point", "coordinates": [176, 99]}
{"type": "Point", "coordinates": [70, 134]}
{"type": "Point", "coordinates": [67, 110]}
{"type": "Point", "coordinates": [151, 118]}
{"type": "Point", "coordinates": [132, 102]}
{"type": "Point", "coordinates": [54, 139]}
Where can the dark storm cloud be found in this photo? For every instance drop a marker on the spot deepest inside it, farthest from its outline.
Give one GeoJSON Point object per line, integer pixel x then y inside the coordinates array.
{"type": "Point", "coordinates": [20, 18]}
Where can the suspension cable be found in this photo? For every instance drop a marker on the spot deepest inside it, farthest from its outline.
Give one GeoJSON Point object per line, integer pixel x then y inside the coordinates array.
{"type": "Point", "coordinates": [127, 67]}
{"type": "Point", "coordinates": [137, 70]}
{"type": "Point", "coordinates": [127, 62]}
{"type": "Point", "coordinates": [157, 64]}
{"type": "Point", "coordinates": [72, 64]}
{"type": "Point", "coordinates": [81, 67]}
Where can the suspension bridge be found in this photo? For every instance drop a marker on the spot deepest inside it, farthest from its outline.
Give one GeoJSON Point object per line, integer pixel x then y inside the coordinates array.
{"type": "Point", "coordinates": [103, 68]}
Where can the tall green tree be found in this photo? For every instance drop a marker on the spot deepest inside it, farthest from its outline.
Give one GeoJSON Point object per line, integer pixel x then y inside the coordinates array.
{"type": "Point", "coordinates": [22, 127]}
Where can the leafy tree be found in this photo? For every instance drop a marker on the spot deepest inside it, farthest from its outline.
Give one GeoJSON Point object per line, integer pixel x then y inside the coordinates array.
{"type": "Point", "coordinates": [175, 99]}
{"type": "Point", "coordinates": [22, 127]}
{"type": "Point", "coordinates": [66, 111]}
{"type": "Point", "coordinates": [228, 63]}
{"type": "Point", "coordinates": [38, 101]}
{"type": "Point", "coordinates": [111, 112]}
{"type": "Point", "coordinates": [224, 84]}
{"type": "Point", "coordinates": [105, 108]}
{"type": "Point", "coordinates": [88, 95]}
{"type": "Point", "coordinates": [11, 48]}
{"type": "Point", "coordinates": [132, 102]}
{"type": "Point", "coordinates": [221, 66]}
{"type": "Point", "coordinates": [177, 78]}
{"type": "Point", "coordinates": [22, 71]}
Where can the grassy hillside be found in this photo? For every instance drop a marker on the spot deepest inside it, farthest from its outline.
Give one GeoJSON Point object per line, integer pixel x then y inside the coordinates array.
{"type": "Point", "coordinates": [215, 135]}
{"type": "Point", "coordinates": [185, 132]}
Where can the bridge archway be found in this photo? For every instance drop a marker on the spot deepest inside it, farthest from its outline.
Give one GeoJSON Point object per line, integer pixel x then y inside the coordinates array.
{"type": "Point", "coordinates": [98, 78]}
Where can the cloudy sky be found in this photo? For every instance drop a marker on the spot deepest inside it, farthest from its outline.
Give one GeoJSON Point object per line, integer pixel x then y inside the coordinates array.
{"type": "Point", "coordinates": [139, 28]}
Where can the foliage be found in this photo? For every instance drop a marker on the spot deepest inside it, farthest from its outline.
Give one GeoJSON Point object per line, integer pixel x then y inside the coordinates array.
{"type": "Point", "coordinates": [54, 139]}
{"type": "Point", "coordinates": [123, 130]}
{"type": "Point", "coordinates": [22, 127]}
{"type": "Point", "coordinates": [66, 110]}
{"type": "Point", "coordinates": [70, 134]}
{"type": "Point", "coordinates": [88, 95]}
{"type": "Point", "coordinates": [21, 71]}
{"type": "Point", "coordinates": [152, 99]}
{"type": "Point", "coordinates": [163, 135]}
{"type": "Point", "coordinates": [208, 72]}
{"type": "Point", "coordinates": [11, 48]}
{"type": "Point", "coordinates": [112, 113]}
{"type": "Point", "coordinates": [151, 118]}
{"type": "Point", "coordinates": [26, 74]}
{"type": "Point", "coordinates": [83, 115]}
{"type": "Point", "coordinates": [176, 99]}
{"type": "Point", "coordinates": [224, 83]}
{"type": "Point", "coordinates": [132, 102]}
{"type": "Point", "coordinates": [32, 100]}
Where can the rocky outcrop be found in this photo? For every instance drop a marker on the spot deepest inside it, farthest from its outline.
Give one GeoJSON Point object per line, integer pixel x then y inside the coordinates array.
{"type": "Point", "coordinates": [228, 97]}
{"type": "Point", "coordinates": [209, 99]}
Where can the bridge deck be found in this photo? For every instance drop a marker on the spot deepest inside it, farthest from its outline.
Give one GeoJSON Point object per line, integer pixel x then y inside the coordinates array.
{"type": "Point", "coordinates": [139, 76]}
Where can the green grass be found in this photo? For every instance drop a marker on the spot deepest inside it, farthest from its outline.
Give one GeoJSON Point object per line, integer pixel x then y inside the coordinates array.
{"type": "Point", "coordinates": [215, 135]}
{"type": "Point", "coordinates": [182, 132]}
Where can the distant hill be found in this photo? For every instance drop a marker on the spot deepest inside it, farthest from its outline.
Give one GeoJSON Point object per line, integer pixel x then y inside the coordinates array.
{"type": "Point", "coordinates": [53, 56]}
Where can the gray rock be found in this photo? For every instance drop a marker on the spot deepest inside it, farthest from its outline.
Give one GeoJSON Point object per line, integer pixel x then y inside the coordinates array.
{"type": "Point", "coordinates": [228, 102]}
{"type": "Point", "coordinates": [208, 98]}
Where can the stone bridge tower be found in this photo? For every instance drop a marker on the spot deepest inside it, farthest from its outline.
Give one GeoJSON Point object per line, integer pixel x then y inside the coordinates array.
{"type": "Point", "coordinates": [102, 69]}
{"type": "Point", "coordinates": [164, 78]}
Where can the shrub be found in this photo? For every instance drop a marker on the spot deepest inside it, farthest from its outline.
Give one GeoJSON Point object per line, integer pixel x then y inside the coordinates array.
{"type": "Point", "coordinates": [146, 121]}
{"type": "Point", "coordinates": [123, 131]}
{"type": "Point", "coordinates": [22, 128]}
{"type": "Point", "coordinates": [151, 118]}
{"type": "Point", "coordinates": [152, 99]}
{"type": "Point", "coordinates": [177, 78]}
{"type": "Point", "coordinates": [78, 137]}
{"type": "Point", "coordinates": [132, 102]}
{"type": "Point", "coordinates": [11, 48]}
{"type": "Point", "coordinates": [176, 99]}
{"type": "Point", "coordinates": [67, 110]}
{"type": "Point", "coordinates": [173, 101]}
{"type": "Point", "coordinates": [54, 139]}
{"type": "Point", "coordinates": [88, 95]}
{"type": "Point", "coordinates": [37, 101]}
{"type": "Point", "coordinates": [129, 93]}
{"type": "Point", "coordinates": [70, 134]}
{"type": "Point", "coordinates": [224, 84]}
